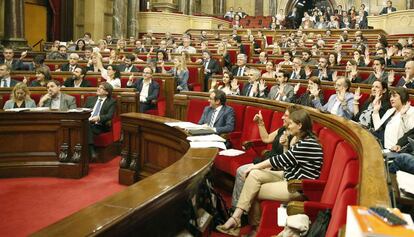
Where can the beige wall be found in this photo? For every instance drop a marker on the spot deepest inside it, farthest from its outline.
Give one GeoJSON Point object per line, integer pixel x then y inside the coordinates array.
{"type": "Point", "coordinates": [403, 19]}
{"type": "Point", "coordinates": [246, 5]}
{"type": "Point", "coordinates": [175, 23]}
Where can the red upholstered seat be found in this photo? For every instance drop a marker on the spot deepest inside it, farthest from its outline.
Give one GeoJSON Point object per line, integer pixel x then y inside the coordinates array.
{"type": "Point", "coordinates": [93, 80]}
{"type": "Point", "coordinates": [195, 109]}
{"type": "Point", "coordinates": [329, 140]}
{"type": "Point", "coordinates": [193, 78]}
{"type": "Point", "coordinates": [339, 177]}
{"type": "Point", "coordinates": [78, 99]}
{"type": "Point", "coordinates": [316, 128]}
{"type": "Point", "coordinates": [239, 115]}
{"type": "Point", "coordinates": [268, 223]}
{"type": "Point", "coordinates": [364, 75]}
{"type": "Point", "coordinates": [338, 215]}
{"type": "Point", "coordinates": [327, 93]}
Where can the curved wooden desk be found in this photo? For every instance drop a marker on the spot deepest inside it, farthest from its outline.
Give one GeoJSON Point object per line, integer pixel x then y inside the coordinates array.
{"type": "Point", "coordinates": [44, 144]}
{"type": "Point", "coordinates": [152, 206]}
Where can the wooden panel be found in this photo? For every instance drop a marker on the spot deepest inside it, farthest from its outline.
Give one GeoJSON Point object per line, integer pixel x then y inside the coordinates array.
{"type": "Point", "coordinates": [35, 15]}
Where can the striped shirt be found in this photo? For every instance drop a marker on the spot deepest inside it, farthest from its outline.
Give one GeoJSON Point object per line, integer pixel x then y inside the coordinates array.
{"type": "Point", "coordinates": [302, 161]}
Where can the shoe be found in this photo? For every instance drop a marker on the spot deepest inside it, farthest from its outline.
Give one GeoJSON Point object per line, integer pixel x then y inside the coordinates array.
{"type": "Point", "coordinates": [234, 231]}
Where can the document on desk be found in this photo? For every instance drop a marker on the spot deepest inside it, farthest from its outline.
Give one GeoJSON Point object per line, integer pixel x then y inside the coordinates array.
{"type": "Point", "coordinates": [208, 145]}
{"type": "Point", "coordinates": [206, 138]}
{"type": "Point", "coordinates": [80, 110]}
{"type": "Point", "coordinates": [40, 109]}
{"type": "Point", "coordinates": [183, 125]}
{"type": "Point", "coordinates": [405, 181]}
{"type": "Point", "coordinates": [17, 109]}
{"type": "Point", "coordinates": [231, 152]}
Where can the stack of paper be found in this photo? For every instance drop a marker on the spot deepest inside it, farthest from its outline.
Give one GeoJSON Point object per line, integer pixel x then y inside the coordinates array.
{"type": "Point", "coordinates": [231, 152]}
{"type": "Point", "coordinates": [208, 145]}
{"type": "Point", "coordinates": [183, 125]}
{"type": "Point", "coordinates": [206, 138]}
{"type": "Point", "coordinates": [17, 109]}
{"type": "Point", "coordinates": [40, 109]}
{"type": "Point", "coordinates": [405, 181]}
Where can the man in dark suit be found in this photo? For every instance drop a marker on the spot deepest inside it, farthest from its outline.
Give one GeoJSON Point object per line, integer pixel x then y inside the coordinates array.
{"type": "Point", "coordinates": [297, 70]}
{"type": "Point", "coordinates": [240, 69]}
{"type": "Point", "coordinates": [15, 64]}
{"type": "Point", "coordinates": [323, 72]}
{"type": "Point", "coordinates": [5, 79]}
{"type": "Point", "coordinates": [128, 65]}
{"type": "Point", "coordinates": [103, 108]}
{"type": "Point", "coordinates": [73, 63]}
{"type": "Point", "coordinates": [388, 9]}
{"type": "Point", "coordinates": [211, 67]}
{"type": "Point", "coordinates": [254, 88]}
{"type": "Point", "coordinates": [148, 90]}
{"type": "Point", "coordinates": [218, 115]}
{"type": "Point", "coordinates": [78, 78]}
{"type": "Point", "coordinates": [293, 18]}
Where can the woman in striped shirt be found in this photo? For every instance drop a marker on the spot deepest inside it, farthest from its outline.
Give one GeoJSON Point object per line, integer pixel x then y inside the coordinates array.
{"type": "Point", "coordinates": [302, 161]}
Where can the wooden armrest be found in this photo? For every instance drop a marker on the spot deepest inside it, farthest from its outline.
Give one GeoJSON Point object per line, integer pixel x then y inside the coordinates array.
{"type": "Point", "coordinates": [295, 185]}
{"type": "Point", "coordinates": [225, 136]}
{"type": "Point", "coordinates": [295, 207]}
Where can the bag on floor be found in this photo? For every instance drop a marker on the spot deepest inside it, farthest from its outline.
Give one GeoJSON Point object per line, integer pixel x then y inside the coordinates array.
{"type": "Point", "coordinates": [296, 226]}
{"type": "Point", "coordinates": [320, 225]}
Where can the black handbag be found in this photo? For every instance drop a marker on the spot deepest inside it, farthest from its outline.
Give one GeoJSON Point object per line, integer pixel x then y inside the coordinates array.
{"type": "Point", "coordinates": [320, 225]}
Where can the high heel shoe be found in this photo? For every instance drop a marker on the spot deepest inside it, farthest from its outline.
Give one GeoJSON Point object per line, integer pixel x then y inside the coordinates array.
{"type": "Point", "coordinates": [234, 231]}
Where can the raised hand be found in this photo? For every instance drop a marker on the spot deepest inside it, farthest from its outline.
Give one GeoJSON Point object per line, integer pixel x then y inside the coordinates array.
{"type": "Point", "coordinates": [308, 71]}
{"type": "Point", "coordinates": [23, 55]}
{"type": "Point", "coordinates": [282, 90]}
{"type": "Point", "coordinates": [131, 78]}
{"type": "Point", "coordinates": [283, 140]}
{"type": "Point", "coordinates": [335, 76]}
{"type": "Point", "coordinates": [391, 77]}
{"type": "Point", "coordinates": [377, 105]}
{"type": "Point", "coordinates": [213, 83]}
{"type": "Point", "coordinates": [341, 95]}
{"type": "Point", "coordinates": [255, 88]}
{"type": "Point", "coordinates": [258, 118]}
{"type": "Point", "coordinates": [234, 85]}
{"type": "Point", "coordinates": [262, 85]}
{"type": "Point", "coordinates": [296, 88]}
{"type": "Point", "coordinates": [357, 94]}
{"type": "Point", "coordinates": [25, 81]}
{"type": "Point", "coordinates": [314, 90]}
{"type": "Point", "coordinates": [278, 67]}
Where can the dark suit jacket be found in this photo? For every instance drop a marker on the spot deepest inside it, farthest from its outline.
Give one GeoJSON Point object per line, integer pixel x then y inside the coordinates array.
{"type": "Point", "coordinates": [71, 83]}
{"type": "Point", "coordinates": [16, 64]}
{"type": "Point", "coordinates": [235, 69]}
{"type": "Point", "coordinates": [123, 66]}
{"type": "Point", "coordinates": [153, 89]}
{"type": "Point", "coordinates": [106, 113]}
{"type": "Point", "coordinates": [214, 67]}
{"type": "Point", "coordinates": [302, 74]}
{"type": "Point", "coordinates": [225, 119]}
{"type": "Point", "coordinates": [384, 10]}
{"type": "Point", "coordinates": [65, 67]}
{"type": "Point", "coordinates": [12, 83]}
{"type": "Point", "coordinates": [328, 72]}
{"type": "Point", "coordinates": [245, 90]}
{"type": "Point", "coordinates": [403, 141]}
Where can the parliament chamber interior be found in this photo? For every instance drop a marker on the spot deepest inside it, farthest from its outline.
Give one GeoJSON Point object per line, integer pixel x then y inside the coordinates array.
{"type": "Point", "coordinates": [207, 118]}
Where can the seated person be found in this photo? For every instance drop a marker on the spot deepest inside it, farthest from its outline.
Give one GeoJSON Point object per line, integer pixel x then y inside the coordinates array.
{"type": "Point", "coordinates": [103, 107]}
{"type": "Point", "coordinates": [379, 72]}
{"type": "Point", "coordinates": [254, 88]}
{"type": "Point", "coordinates": [42, 78]}
{"type": "Point", "coordinates": [128, 65]}
{"type": "Point", "coordinates": [218, 115]}
{"type": "Point", "coordinates": [73, 63]}
{"type": "Point", "coordinates": [396, 121]}
{"type": "Point", "coordinates": [282, 91]}
{"type": "Point", "coordinates": [180, 72]}
{"type": "Point", "coordinates": [306, 98]}
{"type": "Point", "coordinates": [14, 64]}
{"type": "Point", "coordinates": [263, 183]}
{"type": "Point", "coordinates": [77, 79]}
{"type": "Point", "coordinates": [379, 91]}
{"type": "Point", "coordinates": [323, 72]}
{"type": "Point", "coordinates": [408, 80]}
{"type": "Point", "coordinates": [20, 98]}
{"type": "Point", "coordinates": [54, 99]}
{"type": "Point", "coordinates": [351, 72]}
{"type": "Point", "coordinates": [229, 86]}
{"type": "Point", "coordinates": [402, 154]}
{"type": "Point", "coordinates": [340, 103]}
{"type": "Point", "coordinates": [281, 141]}
{"type": "Point", "coordinates": [240, 69]}
{"type": "Point", "coordinates": [148, 90]}
{"type": "Point", "coordinates": [5, 79]}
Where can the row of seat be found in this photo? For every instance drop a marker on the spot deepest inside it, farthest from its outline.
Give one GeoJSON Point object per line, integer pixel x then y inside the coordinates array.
{"type": "Point", "coordinates": [322, 193]}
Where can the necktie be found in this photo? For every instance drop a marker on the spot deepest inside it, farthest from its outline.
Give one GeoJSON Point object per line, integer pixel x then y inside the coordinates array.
{"type": "Point", "coordinates": [213, 115]}
{"type": "Point", "coordinates": [98, 108]}
{"type": "Point", "coordinates": [239, 72]}
{"type": "Point", "coordinates": [249, 89]}
{"type": "Point", "coordinates": [293, 75]}
{"type": "Point", "coordinates": [3, 83]}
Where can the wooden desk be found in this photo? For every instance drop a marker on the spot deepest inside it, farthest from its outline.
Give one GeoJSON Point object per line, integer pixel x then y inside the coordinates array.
{"type": "Point", "coordinates": [43, 144]}
{"type": "Point", "coordinates": [153, 206]}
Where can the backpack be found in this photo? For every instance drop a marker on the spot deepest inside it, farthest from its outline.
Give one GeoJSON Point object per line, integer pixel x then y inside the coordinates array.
{"type": "Point", "coordinates": [320, 225]}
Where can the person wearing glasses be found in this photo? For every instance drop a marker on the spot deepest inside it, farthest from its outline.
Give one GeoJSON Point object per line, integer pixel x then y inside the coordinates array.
{"type": "Point", "coordinates": [148, 90]}
{"type": "Point", "coordinates": [73, 63]}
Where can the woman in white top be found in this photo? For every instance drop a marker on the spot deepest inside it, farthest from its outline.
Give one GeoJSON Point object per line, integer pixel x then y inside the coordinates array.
{"type": "Point", "coordinates": [229, 86]}
{"type": "Point", "coordinates": [396, 121]}
{"type": "Point", "coordinates": [112, 75]}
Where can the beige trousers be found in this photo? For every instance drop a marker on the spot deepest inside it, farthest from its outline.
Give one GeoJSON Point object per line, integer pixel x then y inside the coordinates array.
{"type": "Point", "coordinates": [263, 185]}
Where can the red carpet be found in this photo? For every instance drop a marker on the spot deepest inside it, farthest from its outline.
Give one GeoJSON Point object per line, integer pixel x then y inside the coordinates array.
{"type": "Point", "coordinates": [29, 204]}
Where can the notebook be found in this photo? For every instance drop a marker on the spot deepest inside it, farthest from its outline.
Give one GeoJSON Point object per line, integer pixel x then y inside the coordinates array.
{"type": "Point", "coordinates": [203, 131]}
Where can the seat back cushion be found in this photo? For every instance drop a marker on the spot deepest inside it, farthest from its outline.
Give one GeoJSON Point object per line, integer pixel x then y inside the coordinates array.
{"type": "Point", "coordinates": [195, 109]}
{"type": "Point", "coordinates": [338, 216]}
{"type": "Point", "coordinates": [239, 110]}
{"type": "Point", "coordinates": [343, 153]}
{"type": "Point", "coordinates": [328, 139]}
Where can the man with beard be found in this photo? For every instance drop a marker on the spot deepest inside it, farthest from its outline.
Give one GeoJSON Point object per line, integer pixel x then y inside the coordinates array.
{"type": "Point", "coordinates": [56, 100]}
{"type": "Point", "coordinates": [78, 78]}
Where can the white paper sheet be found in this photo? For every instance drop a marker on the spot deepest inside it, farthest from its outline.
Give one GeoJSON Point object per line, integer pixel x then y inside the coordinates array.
{"type": "Point", "coordinates": [207, 145]}
{"type": "Point", "coordinates": [231, 152]}
{"type": "Point", "coordinates": [17, 109]}
{"type": "Point", "coordinates": [405, 181]}
{"type": "Point", "coordinates": [184, 125]}
{"type": "Point", "coordinates": [206, 138]}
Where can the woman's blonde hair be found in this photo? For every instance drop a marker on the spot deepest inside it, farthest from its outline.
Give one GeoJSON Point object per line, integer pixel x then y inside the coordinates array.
{"type": "Point", "coordinates": [20, 86]}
